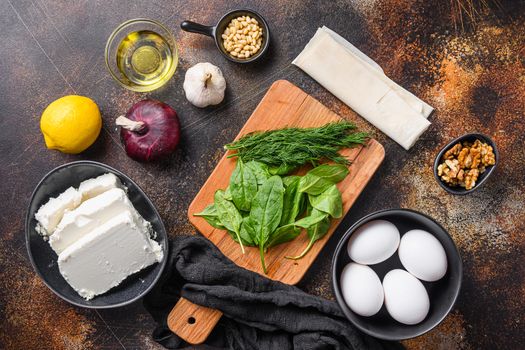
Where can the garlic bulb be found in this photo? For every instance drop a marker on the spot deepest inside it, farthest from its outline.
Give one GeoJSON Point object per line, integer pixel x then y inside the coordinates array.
{"type": "Point", "coordinates": [204, 85]}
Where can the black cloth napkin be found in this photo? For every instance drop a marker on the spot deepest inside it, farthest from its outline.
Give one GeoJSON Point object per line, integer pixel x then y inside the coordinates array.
{"type": "Point", "coordinates": [258, 313]}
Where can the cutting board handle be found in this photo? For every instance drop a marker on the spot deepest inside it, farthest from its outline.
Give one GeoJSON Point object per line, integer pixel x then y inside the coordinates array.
{"type": "Point", "coordinates": [192, 322]}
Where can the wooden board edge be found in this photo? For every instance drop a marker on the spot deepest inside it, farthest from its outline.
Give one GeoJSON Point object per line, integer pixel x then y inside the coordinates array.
{"type": "Point", "coordinates": [192, 322]}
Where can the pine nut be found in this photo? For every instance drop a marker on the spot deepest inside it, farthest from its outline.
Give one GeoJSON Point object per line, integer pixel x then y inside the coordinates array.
{"type": "Point", "coordinates": [242, 37]}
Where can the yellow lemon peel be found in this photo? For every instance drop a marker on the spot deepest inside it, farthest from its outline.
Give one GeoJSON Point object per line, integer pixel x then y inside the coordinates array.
{"type": "Point", "coordinates": [71, 124]}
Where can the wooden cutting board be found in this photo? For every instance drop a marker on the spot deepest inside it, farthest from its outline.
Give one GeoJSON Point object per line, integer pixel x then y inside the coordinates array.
{"type": "Point", "coordinates": [283, 105]}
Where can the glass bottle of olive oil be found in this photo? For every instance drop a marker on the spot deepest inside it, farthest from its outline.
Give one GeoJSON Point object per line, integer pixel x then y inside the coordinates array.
{"type": "Point", "coordinates": [145, 58]}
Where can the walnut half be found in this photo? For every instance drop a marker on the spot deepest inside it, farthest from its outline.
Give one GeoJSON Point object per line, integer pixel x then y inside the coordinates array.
{"type": "Point", "coordinates": [453, 152]}
{"type": "Point", "coordinates": [471, 178]}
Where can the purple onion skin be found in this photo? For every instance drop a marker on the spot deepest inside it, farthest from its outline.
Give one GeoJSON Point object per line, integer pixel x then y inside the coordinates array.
{"type": "Point", "coordinates": [160, 136]}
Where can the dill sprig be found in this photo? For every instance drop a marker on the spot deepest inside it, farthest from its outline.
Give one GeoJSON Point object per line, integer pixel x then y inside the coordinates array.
{"type": "Point", "coordinates": [293, 147]}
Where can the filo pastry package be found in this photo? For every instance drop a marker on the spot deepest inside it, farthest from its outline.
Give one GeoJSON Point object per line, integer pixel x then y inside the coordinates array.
{"type": "Point", "coordinates": [360, 82]}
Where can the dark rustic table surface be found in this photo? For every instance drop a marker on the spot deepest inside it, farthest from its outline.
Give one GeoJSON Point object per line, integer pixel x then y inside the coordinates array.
{"type": "Point", "coordinates": [475, 78]}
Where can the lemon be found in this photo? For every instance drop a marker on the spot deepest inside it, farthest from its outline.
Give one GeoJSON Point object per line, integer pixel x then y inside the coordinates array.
{"type": "Point", "coordinates": [71, 124]}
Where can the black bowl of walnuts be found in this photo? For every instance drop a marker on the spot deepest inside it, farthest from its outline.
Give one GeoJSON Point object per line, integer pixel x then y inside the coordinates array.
{"type": "Point", "coordinates": [465, 163]}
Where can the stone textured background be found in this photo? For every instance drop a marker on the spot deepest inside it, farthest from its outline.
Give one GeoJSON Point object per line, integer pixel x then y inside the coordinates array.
{"type": "Point", "coordinates": [475, 79]}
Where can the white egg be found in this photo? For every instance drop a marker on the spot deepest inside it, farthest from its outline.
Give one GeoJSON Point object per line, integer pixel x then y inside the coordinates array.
{"type": "Point", "coordinates": [361, 289]}
{"type": "Point", "coordinates": [373, 242]}
{"type": "Point", "coordinates": [423, 255]}
{"type": "Point", "coordinates": [406, 299]}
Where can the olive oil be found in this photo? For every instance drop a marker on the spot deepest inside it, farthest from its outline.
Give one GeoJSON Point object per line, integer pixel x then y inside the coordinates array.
{"type": "Point", "coordinates": [145, 58]}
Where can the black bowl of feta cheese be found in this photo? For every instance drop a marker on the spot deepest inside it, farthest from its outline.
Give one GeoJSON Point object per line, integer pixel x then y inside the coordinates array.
{"type": "Point", "coordinates": [94, 237]}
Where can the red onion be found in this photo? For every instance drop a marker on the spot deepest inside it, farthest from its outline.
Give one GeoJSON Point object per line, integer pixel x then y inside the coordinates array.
{"type": "Point", "coordinates": [150, 130]}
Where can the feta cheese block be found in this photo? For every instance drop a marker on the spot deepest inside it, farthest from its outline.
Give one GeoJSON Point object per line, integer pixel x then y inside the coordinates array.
{"type": "Point", "coordinates": [104, 257]}
{"type": "Point", "coordinates": [91, 214]}
{"type": "Point", "coordinates": [93, 187]}
{"type": "Point", "coordinates": [50, 214]}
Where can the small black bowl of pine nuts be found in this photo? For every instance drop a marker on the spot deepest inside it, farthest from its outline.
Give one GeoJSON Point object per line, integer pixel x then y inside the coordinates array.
{"type": "Point", "coordinates": [242, 36]}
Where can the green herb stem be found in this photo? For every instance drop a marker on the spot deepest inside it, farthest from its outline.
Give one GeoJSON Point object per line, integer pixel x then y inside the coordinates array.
{"type": "Point", "coordinates": [240, 242]}
{"type": "Point", "coordinates": [293, 147]}
{"type": "Point", "coordinates": [261, 253]}
{"type": "Point", "coordinates": [305, 251]}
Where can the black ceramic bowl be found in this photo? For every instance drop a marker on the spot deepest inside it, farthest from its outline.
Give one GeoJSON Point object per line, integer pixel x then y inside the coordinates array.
{"type": "Point", "coordinates": [482, 177]}
{"type": "Point", "coordinates": [442, 293]}
{"type": "Point", "coordinates": [216, 31]}
{"type": "Point", "coordinates": [44, 259]}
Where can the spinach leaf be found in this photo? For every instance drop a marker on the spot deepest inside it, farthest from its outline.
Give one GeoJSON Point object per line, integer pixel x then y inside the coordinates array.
{"type": "Point", "coordinates": [293, 202]}
{"type": "Point", "coordinates": [314, 218]}
{"type": "Point", "coordinates": [315, 233]}
{"type": "Point", "coordinates": [215, 222]}
{"type": "Point", "coordinates": [290, 231]}
{"type": "Point", "coordinates": [314, 185]}
{"type": "Point", "coordinates": [247, 232]}
{"type": "Point", "coordinates": [329, 202]}
{"type": "Point", "coordinates": [319, 179]}
{"type": "Point", "coordinates": [233, 236]}
{"type": "Point", "coordinates": [243, 186]}
{"type": "Point", "coordinates": [210, 215]}
{"type": "Point", "coordinates": [283, 234]}
{"type": "Point", "coordinates": [334, 173]}
{"type": "Point", "coordinates": [228, 215]}
{"type": "Point", "coordinates": [228, 194]}
{"type": "Point", "coordinates": [210, 210]}
{"type": "Point", "coordinates": [282, 169]}
{"type": "Point", "coordinates": [260, 170]}
{"type": "Point", "coordinates": [244, 234]}
{"type": "Point", "coordinates": [309, 208]}
{"type": "Point", "coordinates": [290, 180]}
{"type": "Point", "coordinates": [266, 212]}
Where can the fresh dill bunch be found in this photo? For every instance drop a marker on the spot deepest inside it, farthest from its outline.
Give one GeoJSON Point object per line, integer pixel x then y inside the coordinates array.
{"type": "Point", "coordinates": [294, 147]}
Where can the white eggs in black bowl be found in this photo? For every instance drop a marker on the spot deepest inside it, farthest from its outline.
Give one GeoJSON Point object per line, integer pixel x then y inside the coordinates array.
{"type": "Point", "coordinates": [396, 274]}
{"type": "Point", "coordinates": [405, 297]}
